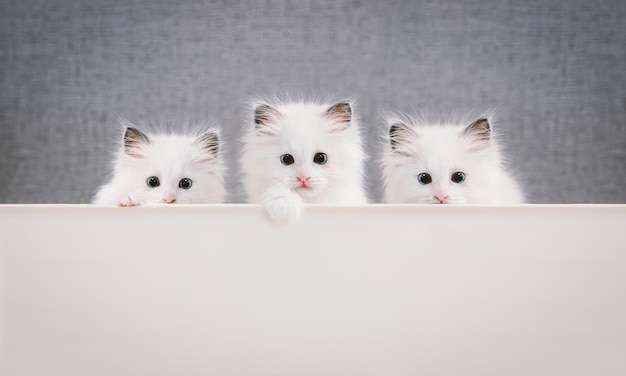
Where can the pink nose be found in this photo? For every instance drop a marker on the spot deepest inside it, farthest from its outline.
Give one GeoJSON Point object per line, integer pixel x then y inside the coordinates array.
{"type": "Point", "coordinates": [441, 198]}
{"type": "Point", "coordinates": [169, 199]}
{"type": "Point", "coordinates": [303, 180]}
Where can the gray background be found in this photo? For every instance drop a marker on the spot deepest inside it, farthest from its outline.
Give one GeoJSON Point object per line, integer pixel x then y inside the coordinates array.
{"type": "Point", "coordinates": [554, 69]}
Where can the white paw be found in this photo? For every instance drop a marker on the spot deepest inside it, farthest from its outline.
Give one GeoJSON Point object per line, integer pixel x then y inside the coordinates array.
{"type": "Point", "coordinates": [282, 206]}
{"type": "Point", "coordinates": [127, 202]}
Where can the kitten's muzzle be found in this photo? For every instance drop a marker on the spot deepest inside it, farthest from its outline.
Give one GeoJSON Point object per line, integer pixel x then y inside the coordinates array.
{"type": "Point", "coordinates": [303, 181]}
{"type": "Point", "coordinates": [441, 199]}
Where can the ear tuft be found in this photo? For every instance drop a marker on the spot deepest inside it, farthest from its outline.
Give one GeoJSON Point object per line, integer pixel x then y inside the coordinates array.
{"type": "Point", "coordinates": [398, 134]}
{"type": "Point", "coordinates": [340, 112]}
{"type": "Point", "coordinates": [394, 132]}
{"type": "Point", "coordinates": [209, 142]}
{"type": "Point", "coordinates": [265, 115]}
{"type": "Point", "coordinates": [340, 115]}
{"type": "Point", "coordinates": [479, 133]}
{"type": "Point", "coordinates": [134, 142]}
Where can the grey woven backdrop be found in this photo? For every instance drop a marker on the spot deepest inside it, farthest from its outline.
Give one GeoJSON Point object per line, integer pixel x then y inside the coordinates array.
{"type": "Point", "coordinates": [554, 69]}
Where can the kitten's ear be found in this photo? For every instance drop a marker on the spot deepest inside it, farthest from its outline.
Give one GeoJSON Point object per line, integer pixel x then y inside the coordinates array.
{"type": "Point", "coordinates": [341, 116]}
{"type": "Point", "coordinates": [209, 142]}
{"type": "Point", "coordinates": [399, 134]}
{"type": "Point", "coordinates": [265, 115]}
{"type": "Point", "coordinates": [479, 133]}
{"type": "Point", "coordinates": [134, 142]}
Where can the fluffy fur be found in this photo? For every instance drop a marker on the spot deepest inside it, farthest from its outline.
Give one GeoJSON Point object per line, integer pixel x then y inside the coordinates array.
{"type": "Point", "coordinates": [170, 157]}
{"type": "Point", "coordinates": [441, 150]}
{"type": "Point", "coordinates": [303, 130]}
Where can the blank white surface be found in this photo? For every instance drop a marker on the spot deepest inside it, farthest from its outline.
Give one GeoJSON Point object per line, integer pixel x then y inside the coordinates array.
{"type": "Point", "coordinates": [375, 290]}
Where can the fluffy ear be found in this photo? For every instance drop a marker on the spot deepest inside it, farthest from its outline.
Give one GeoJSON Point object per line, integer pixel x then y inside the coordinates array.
{"type": "Point", "coordinates": [399, 133]}
{"type": "Point", "coordinates": [341, 116]}
{"type": "Point", "coordinates": [479, 133]}
{"type": "Point", "coordinates": [134, 142]}
{"type": "Point", "coordinates": [209, 142]}
{"type": "Point", "coordinates": [265, 114]}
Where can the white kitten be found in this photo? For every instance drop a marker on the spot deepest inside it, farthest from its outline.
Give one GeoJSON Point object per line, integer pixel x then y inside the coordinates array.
{"type": "Point", "coordinates": [445, 164]}
{"type": "Point", "coordinates": [302, 152]}
{"type": "Point", "coordinates": [165, 168]}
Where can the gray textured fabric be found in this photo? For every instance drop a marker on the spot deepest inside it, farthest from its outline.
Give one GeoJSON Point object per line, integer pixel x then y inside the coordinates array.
{"type": "Point", "coordinates": [554, 69]}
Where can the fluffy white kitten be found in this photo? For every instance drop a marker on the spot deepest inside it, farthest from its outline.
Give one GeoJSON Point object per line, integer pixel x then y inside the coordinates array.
{"type": "Point", "coordinates": [302, 152]}
{"type": "Point", "coordinates": [448, 163]}
{"type": "Point", "coordinates": [165, 168]}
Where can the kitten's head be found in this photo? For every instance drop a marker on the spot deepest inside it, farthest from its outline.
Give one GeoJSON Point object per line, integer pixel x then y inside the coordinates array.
{"type": "Point", "coordinates": [306, 146]}
{"type": "Point", "coordinates": [439, 163]}
{"type": "Point", "coordinates": [167, 168]}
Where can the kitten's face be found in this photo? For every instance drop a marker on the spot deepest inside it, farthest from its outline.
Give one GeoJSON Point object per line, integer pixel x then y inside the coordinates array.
{"type": "Point", "coordinates": [168, 169]}
{"type": "Point", "coordinates": [305, 146]}
{"type": "Point", "coordinates": [438, 164]}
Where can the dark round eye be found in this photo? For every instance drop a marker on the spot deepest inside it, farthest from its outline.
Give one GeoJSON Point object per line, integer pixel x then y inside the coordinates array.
{"type": "Point", "coordinates": [184, 183]}
{"type": "Point", "coordinates": [458, 177]}
{"type": "Point", "coordinates": [153, 182]}
{"type": "Point", "coordinates": [286, 159]}
{"type": "Point", "coordinates": [424, 178]}
{"type": "Point", "coordinates": [320, 158]}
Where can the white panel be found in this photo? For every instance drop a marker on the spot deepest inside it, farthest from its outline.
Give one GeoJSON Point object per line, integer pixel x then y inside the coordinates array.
{"type": "Point", "coordinates": [375, 290]}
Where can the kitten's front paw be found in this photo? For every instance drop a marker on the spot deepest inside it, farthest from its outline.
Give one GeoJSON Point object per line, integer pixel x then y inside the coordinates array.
{"type": "Point", "coordinates": [282, 207]}
{"type": "Point", "coordinates": [127, 202]}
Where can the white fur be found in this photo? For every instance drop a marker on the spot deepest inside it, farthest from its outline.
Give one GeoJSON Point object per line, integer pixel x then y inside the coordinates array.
{"type": "Point", "coordinates": [170, 157]}
{"type": "Point", "coordinates": [441, 149]}
{"type": "Point", "coordinates": [302, 130]}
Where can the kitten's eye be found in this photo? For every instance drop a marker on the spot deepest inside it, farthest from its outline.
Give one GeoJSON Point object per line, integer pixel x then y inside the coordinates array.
{"type": "Point", "coordinates": [424, 178]}
{"type": "Point", "coordinates": [286, 159]}
{"type": "Point", "coordinates": [458, 177]}
{"type": "Point", "coordinates": [184, 183]}
{"type": "Point", "coordinates": [320, 158]}
{"type": "Point", "coordinates": [153, 182]}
